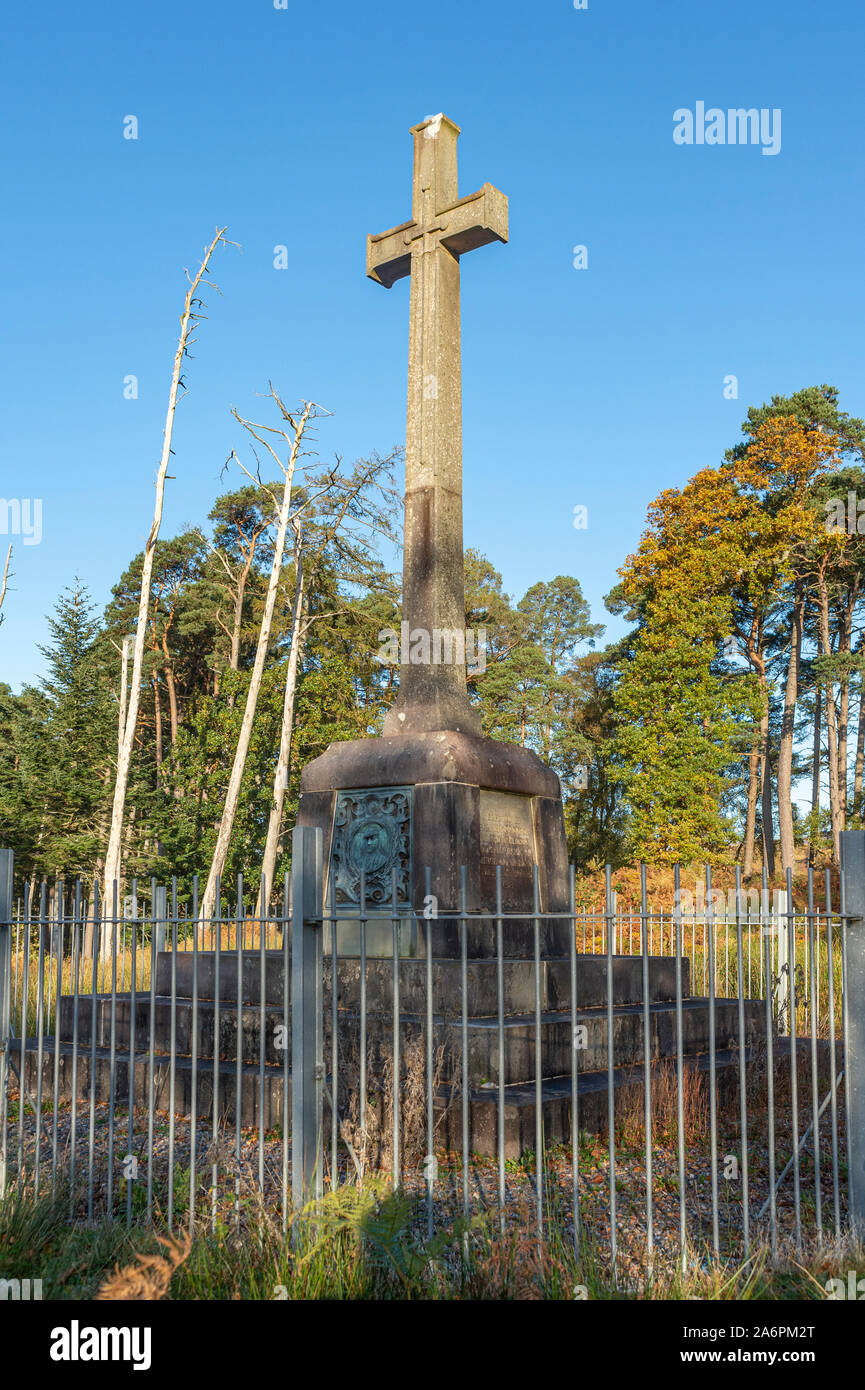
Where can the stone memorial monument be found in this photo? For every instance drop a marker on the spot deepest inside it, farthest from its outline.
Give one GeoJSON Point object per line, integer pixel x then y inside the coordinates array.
{"type": "Point", "coordinates": [433, 794]}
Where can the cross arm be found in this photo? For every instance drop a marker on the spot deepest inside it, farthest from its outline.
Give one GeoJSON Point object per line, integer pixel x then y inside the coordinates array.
{"type": "Point", "coordinates": [388, 255]}
{"type": "Point", "coordinates": [475, 220]}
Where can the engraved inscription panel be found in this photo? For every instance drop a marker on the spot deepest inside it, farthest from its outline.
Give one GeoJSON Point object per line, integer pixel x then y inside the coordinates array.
{"type": "Point", "coordinates": [507, 838]}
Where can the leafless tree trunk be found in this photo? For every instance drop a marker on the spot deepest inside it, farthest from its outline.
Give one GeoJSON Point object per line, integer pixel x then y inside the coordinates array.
{"type": "Point", "coordinates": [237, 584]}
{"type": "Point", "coordinates": [5, 580]}
{"type": "Point", "coordinates": [280, 779]}
{"type": "Point", "coordinates": [785, 756]}
{"type": "Point", "coordinates": [232, 795]}
{"type": "Point", "coordinates": [115, 836]}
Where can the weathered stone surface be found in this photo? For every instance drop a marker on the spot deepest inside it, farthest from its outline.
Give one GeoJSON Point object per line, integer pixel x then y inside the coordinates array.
{"type": "Point", "coordinates": [443, 755]}
{"type": "Point", "coordinates": [428, 248]}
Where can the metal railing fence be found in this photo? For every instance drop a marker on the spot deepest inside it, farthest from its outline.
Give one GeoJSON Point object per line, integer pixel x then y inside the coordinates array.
{"type": "Point", "coordinates": [684, 1080]}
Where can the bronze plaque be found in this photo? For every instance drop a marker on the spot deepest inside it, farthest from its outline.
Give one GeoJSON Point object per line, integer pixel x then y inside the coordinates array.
{"type": "Point", "coordinates": [372, 838]}
{"type": "Point", "coordinates": [507, 839]}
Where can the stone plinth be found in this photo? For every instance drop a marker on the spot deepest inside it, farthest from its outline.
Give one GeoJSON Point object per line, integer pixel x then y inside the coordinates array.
{"type": "Point", "coordinates": [427, 806]}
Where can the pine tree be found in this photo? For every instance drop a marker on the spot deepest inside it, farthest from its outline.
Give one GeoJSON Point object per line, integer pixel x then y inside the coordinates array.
{"type": "Point", "coordinates": [76, 740]}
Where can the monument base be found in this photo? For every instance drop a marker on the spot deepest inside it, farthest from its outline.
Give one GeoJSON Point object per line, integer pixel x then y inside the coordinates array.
{"type": "Point", "coordinates": [418, 809]}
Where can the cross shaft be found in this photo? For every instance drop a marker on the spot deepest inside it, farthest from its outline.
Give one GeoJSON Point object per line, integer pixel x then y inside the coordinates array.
{"type": "Point", "coordinates": [428, 249]}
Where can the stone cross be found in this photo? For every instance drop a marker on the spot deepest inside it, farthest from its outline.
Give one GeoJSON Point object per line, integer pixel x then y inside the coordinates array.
{"type": "Point", "coordinates": [428, 248]}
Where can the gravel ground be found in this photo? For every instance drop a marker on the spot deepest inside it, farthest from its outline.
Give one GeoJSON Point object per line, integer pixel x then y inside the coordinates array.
{"type": "Point", "coordinates": [237, 1181]}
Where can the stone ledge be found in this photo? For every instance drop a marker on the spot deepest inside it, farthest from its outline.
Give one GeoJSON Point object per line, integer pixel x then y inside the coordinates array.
{"type": "Point", "coordinates": [443, 756]}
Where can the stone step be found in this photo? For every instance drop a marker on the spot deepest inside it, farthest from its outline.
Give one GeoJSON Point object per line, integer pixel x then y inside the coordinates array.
{"type": "Point", "coordinates": [180, 1016]}
{"type": "Point", "coordinates": [483, 1049]}
{"type": "Point", "coordinates": [556, 1095]}
{"type": "Point", "coordinates": [268, 1094]}
{"type": "Point", "coordinates": [481, 981]}
{"type": "Point", "coordinates": [260, 1093]}
{"type": "Point", "coordinates": [557, 1038]}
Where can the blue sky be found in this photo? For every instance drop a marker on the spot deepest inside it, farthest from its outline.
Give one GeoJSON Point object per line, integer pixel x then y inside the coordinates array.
{"type": "Point", "coordinates": [595, 387]}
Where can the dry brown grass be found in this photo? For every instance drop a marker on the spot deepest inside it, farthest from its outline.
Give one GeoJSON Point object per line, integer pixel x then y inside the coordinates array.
{"type": "Point", "coordinates": [371, 1141]}
{"type": "Point", "coordinates": [149, 1276]}
{"type": "Point", "coordinates": [630, 1109]}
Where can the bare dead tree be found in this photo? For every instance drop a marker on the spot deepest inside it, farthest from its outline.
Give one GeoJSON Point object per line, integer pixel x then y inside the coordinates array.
{"type": "Point", "coordinates": [348, 514]}
{"type": "Point", "coordinates": [122, 698]}
{"type": "Point", "coordinates": [187, 319]}
{"type": "Point", "coordinates": [237, 580]}
{"type": "Point", "coordinates": [294, 437]}
{"type": "Point", "coordinates": [5, 582]}
{"type": "Point", "coordinates": [280, 780]}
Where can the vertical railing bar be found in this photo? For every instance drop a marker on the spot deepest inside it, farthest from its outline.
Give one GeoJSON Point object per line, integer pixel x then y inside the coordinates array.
{"type": "Point", "coordinates": [286, 1040]}
{"type": "Point", "coordinates": [464, 1040]}
{"type": "Point", "coordinates": [430, 1099]}
{"type": "Point", "coordinates": [713, 1061]}
{"type": "Point", "coordinates": [23, 1032]}
{"type": "Point", "coordinates": [59, 915]}
{"type": "Point", "coordinates": [833, 1060]}
{"type": "Point", "coordinates": [334, 1037]}
{"type": "Point", "coordinates": [112, 1052]}
{"type": "Point", "coordinates": [770, 1083]}
{"type": "Point", "coordinates": [193, 1061]}
{"type": "Point", "coordinates": [306, 1015]}
{"type": "Point", "coordinates": [680, 1065]}
{"type": "Point", "coordinates": [575, 1091]}
{"type": "Point", "coordinates": [611, 1074]}
{"type": "Point", "coordinates": [156, 899]}
{"type": "Point", "coordinates": [172, 1051]}
{"type": "Point", "coordinates": [77, 945]}
{"type": "Point", "coordinates": [540, 1157]}
{"type": "Point", "coordinates": [40, 1034]}
{"type": "Point", "coordinates": [647, 1070]}
{"type": "Point", "coordinates": [216, 940]}
{"type": "Point", "coordinates": [845, 1033]}
{"type": "Point", "coordinates": [363, 1011]}
{"type": "Point", "coordinates": [397, 1062]}
{"type": "Point", "coordinates": [133, 1037]}
{"type": "Point", "coordinates": [743, 1086]}
{"type": "Point", "coordinates": [815, 1080]}
{"type": "Point", "coordinates": [91, 1133]}
{"type": "Point", "coordinates": [238, 1035]}
{"type": "Point", "coordinates": [264, 900]}
{"type": "Point", "coordinates": [794, 1057]}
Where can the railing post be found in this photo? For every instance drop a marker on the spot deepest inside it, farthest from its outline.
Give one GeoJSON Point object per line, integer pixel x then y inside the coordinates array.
{"type": "Point", "coordinates": [7, 866]}
{"type": "Point", "coordinates": [307, 1040]}
{"type": "Point", "coordinates": [853, 907]}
